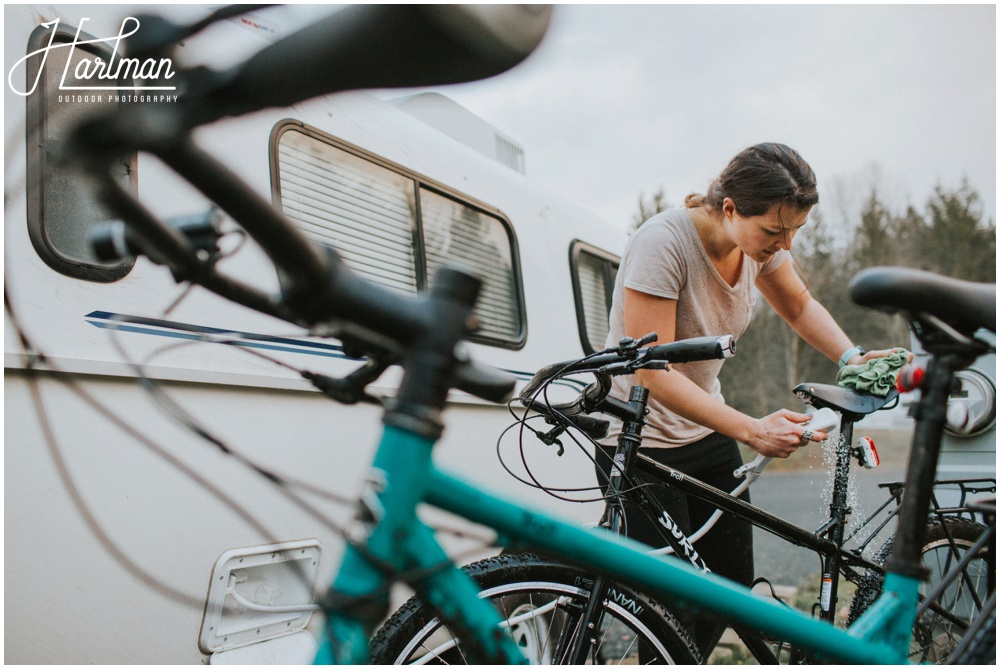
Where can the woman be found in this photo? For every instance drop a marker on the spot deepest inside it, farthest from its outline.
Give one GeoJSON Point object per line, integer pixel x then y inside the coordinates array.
{"type": "Point", "coordinates": [692, 272]}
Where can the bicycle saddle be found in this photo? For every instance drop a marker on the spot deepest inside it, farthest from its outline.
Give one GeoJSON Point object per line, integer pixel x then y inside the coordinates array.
{"type": "Point", "coordinates": [964, 305]}
{"type": "Point", "coordinates": [853, 404]}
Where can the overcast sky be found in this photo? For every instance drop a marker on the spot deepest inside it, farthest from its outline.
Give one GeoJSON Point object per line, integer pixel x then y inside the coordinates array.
{"type": "Point", "coordinates": [625, 99]}
{"type": "Point", "coordinates": [620, 100]}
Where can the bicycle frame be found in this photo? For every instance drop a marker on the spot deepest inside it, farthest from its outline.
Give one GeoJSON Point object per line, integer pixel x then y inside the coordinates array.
{"type": "Point", "coordinates": [827, 541]}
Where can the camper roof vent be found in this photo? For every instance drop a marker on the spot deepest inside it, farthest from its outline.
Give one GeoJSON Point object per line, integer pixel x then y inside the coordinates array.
{"type": "Point", "coordinates": [456, 121]}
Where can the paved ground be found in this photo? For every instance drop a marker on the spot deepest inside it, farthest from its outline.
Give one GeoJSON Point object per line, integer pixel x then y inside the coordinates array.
{"type": "Point", "coordinates": [803, 499]}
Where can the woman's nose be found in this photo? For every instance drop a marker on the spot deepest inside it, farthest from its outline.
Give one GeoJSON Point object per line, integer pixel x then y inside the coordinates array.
{"type": "Point", "coordinates": [785, 242]}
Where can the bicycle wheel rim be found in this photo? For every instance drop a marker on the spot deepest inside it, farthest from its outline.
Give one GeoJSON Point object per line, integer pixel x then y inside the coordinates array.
{"type": "Point", "coordinates": [935, 636]}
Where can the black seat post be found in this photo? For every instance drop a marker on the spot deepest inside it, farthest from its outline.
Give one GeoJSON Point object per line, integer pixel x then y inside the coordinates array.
{"type": "Point", "coordinates": [930, 415]}
{"type": "Point", "coordinates": [837, 524]}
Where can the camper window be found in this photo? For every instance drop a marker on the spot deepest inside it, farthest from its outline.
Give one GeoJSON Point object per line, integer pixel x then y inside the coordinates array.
{"type": "Point", "coordinates": [61, 210]}
{"type": "Point", "coordinates": [458, 234]}
{"type": "Point", "coordinates": [593, 272]}
{"type": "Point", "coordinates": [396, 227]}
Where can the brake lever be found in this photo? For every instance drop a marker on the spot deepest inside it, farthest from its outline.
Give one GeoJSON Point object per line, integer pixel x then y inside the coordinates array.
{"type": "Point", "coordinates": [113, 241]}
{"type": "Point", "coordinates": [552, 436]}
{"type": "Point", "coordinates": [627, 345]}
{"type": "Point", "coordinates": [637, 363]}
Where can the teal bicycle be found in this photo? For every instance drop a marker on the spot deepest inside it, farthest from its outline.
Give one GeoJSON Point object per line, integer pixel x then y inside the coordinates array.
{"type": "Point", "coordinates": [384, 46]}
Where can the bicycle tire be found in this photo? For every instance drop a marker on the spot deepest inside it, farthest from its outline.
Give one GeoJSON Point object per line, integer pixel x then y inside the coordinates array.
{"type": "Point", "coordinates": [934, 637]}
{"type": "Point", "coordinates": [541, 597]}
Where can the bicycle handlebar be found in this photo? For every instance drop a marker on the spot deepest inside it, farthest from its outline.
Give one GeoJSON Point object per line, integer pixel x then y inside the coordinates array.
{"type": "Point", "coordinates": [695, 349]}
{"type": "Point", "coordinates": [625, 359]}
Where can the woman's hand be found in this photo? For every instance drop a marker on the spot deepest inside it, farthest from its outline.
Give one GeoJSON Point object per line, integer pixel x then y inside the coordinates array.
{"type": "Point", "coordinates": [779, 434]}
{"type": "Point", "coordinates": [872, 355]}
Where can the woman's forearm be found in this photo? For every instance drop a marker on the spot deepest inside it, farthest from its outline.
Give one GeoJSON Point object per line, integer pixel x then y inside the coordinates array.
{"type": "Point", "coordinates": [685, 398]}
{"type": "Point", "coordinates": [788, 296]}
{"type": "Point", "coordinates": [817, 327]}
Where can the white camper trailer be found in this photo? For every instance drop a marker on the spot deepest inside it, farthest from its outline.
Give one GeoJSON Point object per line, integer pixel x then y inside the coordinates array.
{"type": "Point", "coordinates": [119, 518]}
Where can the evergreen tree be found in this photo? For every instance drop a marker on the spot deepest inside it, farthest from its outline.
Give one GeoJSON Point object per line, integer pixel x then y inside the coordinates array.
{"type": "Point", "coordinates": [960, 244]}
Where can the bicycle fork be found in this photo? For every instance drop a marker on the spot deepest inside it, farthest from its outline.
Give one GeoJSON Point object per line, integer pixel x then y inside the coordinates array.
{"type": "Point", "coordinates": [633, 416]}
{"type": "Point", "coordinates": [386, 539]}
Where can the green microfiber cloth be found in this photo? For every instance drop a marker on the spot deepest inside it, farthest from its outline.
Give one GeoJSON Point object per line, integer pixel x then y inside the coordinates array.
{"type": "Point", "coordinates": [876, 376]}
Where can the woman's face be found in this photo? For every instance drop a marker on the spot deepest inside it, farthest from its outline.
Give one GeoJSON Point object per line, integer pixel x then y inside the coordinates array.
{"type": "Point", "coordinates": [760, 237]}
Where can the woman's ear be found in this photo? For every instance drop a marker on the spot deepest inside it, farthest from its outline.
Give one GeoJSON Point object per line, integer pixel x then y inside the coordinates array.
{"type": "Point", "coordinates": [728, 207]}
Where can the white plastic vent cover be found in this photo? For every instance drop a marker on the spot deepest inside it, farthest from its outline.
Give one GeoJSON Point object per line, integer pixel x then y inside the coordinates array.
{"type": "Point", "coordinates": [259, 593]}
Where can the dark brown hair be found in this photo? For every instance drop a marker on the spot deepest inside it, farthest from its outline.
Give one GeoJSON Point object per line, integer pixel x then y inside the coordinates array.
{"type": "Point", "coordinates": [760, 177]}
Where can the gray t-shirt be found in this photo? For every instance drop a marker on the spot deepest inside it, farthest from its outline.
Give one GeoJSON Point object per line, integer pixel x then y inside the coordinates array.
{"type": "Point", "coordinates": [665, 258]}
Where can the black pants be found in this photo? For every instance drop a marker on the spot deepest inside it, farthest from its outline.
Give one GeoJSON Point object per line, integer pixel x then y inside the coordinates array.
{"type": "Point", "coordinates": [727, 548]}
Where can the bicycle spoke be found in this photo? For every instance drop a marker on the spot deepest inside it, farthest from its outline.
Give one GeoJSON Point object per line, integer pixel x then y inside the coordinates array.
{"type": "Point", "coordinates": [629, 650]}
{"type": "Point", "coordinates": [433, 653]}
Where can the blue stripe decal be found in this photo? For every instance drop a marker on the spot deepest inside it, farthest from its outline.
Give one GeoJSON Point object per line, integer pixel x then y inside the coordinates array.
{"type": "Point", "coordinates": [187, 327]}
{"type": "Point", "coordinates": [201, 337]}
{"type": "Point", "coordinates": [107, 320]}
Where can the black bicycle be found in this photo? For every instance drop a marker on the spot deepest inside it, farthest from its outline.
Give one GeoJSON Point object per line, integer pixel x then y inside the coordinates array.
{"type": "Point", "coordinates": [957, 550]}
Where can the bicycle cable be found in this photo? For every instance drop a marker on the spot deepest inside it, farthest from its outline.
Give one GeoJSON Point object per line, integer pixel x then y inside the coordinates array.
{"type": "Point", "coordinates": [169, 407]}
{"type": "Point", "coordinates": [34, 357]}
{"type": "Point", "coordinates": [566, 423]}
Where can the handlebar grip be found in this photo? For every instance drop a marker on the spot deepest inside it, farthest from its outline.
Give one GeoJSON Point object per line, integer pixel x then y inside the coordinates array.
{"type": "Point", "coordinates": [488, 383]}
{"type": "Point", "coordinates": [379, 46]}
{"type": "Point", "coordinates": [695, 349]}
